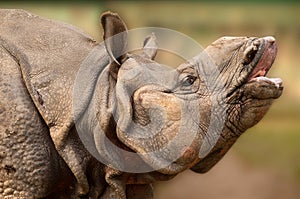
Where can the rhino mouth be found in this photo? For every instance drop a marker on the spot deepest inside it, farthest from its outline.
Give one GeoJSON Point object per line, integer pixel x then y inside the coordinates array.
{"type": "Point", "coordinates": [263, 53]}
{"type": "Point", "coordinates": [259, 57]}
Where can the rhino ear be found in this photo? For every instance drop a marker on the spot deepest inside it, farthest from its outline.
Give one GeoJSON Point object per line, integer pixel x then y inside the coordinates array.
{"type": "Point", "coordinates": [115, 36]}
{"type": "Point", "coordinates": [150, 47]}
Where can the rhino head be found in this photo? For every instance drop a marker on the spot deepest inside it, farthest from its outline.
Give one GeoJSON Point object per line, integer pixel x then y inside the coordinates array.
{"type": "Point", "coordinates": [169, 120]}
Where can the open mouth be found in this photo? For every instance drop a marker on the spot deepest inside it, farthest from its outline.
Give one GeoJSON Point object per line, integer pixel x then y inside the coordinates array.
{"type": "Point", "coordinates": [262, 54]}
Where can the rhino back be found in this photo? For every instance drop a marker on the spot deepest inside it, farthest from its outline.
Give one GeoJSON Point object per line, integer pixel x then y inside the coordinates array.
{"type": "Point", "coordinates": [49, 54]}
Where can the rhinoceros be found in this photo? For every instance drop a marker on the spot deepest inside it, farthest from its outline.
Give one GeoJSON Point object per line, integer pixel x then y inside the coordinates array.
{"type": "Point", "coordinates": [50, 148]}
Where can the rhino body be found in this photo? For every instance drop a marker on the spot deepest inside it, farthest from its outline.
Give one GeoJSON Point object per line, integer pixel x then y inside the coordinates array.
{"type": "Point", "coordinates": [41, 153]}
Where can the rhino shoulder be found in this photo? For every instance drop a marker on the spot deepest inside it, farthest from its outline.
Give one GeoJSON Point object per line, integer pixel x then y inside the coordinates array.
{"type": "Point", "coordinates": [49, 54]}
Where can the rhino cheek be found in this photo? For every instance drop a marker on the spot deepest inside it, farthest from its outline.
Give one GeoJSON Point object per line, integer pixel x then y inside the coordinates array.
{"type": "Point", "coordinates": [166, 102]}
{"type": "Point", "coordinates": [151, 103]}
{"type": "Point", "coordinates": [178, 148]}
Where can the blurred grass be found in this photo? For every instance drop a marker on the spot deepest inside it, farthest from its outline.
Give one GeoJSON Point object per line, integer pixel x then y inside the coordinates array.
{"type": "Point", "coordinates": [275, 141]}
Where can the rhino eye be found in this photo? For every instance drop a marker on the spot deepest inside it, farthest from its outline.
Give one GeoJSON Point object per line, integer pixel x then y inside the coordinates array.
{"type": "Point", "coordinates": [189, 80]}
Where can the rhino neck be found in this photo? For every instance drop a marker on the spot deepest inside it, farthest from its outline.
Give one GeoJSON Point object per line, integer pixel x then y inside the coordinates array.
{"type": "Point", "coordinates": [91, 69]}
{"type": "Point", "coordinates": [95, 123]}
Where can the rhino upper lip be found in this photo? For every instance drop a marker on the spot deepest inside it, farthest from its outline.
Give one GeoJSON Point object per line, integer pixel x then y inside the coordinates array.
{"type": "Point", "coordinates": [263, 58]}
{"type": "Point", "coordinates": [259, 56]}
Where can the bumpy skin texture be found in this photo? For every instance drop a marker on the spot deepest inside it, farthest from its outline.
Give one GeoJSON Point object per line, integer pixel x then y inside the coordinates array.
{"type": "Point", "coordinates": [39, 66]}
{"type": "Point", "coordinates": [41, 154]}
{"type": "Point", "coordinates": [28, 157]}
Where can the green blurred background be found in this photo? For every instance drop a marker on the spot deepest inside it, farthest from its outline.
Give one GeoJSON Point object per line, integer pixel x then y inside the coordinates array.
{"type": "Point", "coordinates": [271, 146]}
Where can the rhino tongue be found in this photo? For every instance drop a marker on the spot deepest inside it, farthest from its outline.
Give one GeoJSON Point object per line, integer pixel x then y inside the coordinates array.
{"type": "Point", "coordinates": [266, 60]}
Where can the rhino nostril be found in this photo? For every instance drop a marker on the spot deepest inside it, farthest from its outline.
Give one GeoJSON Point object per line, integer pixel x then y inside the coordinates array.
{"type": "Point", "coordinates": [167, 91]}
{"type": "Point", "coordinates": [250, 56]}
{"type": "Point", "coordinates": [250, 51]}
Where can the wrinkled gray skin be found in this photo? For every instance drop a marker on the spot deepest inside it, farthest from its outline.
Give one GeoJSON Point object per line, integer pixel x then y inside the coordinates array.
{"type": "Point", "coordinates": [41, 155]}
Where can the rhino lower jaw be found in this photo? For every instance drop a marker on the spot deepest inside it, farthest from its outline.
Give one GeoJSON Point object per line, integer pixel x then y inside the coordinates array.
{"type": "Point", "coordinates": [265, 88]}
{"type": "Point", "coordinates": [252, 102]}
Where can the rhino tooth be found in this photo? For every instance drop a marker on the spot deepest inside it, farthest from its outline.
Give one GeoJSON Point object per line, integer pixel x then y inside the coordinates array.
{"type": "Point", "coordinates": [276, 81]}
